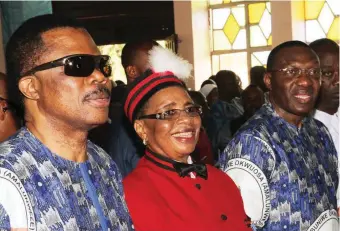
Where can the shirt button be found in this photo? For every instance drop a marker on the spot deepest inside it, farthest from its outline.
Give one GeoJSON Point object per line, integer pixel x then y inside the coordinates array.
{"type": "Point", "coordinates": [224, 217]}
{"type": "Point", "coordinates": [284, 185]}
{"type": "Point", "coordinates": [198, 186]}
{"type": "Point", "coordinates": [90, 172]}
{"type": "Point", "coordinates": [285, 226]}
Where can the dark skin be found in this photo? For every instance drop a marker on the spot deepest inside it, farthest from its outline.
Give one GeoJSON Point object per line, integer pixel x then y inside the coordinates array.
{"type": "Point", "coordinates": [160, 135]}
{"type": "Point", "coordinates": [61, 109]}
{"type": "Point", "coordinates": [293, 97]}
{"type": "Point", "coordinates": [140, 63]}
{"type": "Point", "coordinates": [328, 100]}
{"type": "Point", "coordinates": [9, 124]}
{"type": "Point", "coordinates": [212, 97]}
{"type": "Point", "coordinates": [253, 99]}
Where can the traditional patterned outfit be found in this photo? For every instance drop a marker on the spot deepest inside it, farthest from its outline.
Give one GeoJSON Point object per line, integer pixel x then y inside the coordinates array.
{"type": "Point", "coordinates": [287, 175]}
{"type": "Point", "coordinates": [155, 190]}
{"type": "Point", "coordinates": [40, 190]}
{"type": "Point", "coordinates": [166, 195]}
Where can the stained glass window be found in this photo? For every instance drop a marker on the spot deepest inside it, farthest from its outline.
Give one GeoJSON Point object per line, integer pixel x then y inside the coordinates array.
{"type": "Point", "coordinates": [259, 58]}
{"type": "Point", "coordinates": [241, 35]}
{"type": "Point", "coordinates": [260, 24]}
{"type": "Point", "coordinates": [322, 19]}
{"type": "Point", "coordinates": [228, 25]}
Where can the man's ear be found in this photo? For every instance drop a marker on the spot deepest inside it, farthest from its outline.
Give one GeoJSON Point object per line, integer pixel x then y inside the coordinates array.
{"type": "Point", "coordinates": [132, 72]}
{"type": "Point", "coordinates": [140, 129]}
{"type": "Point", "coordinates": [267, 79]}
{"type": "Point", "coordinates": [29, 87]}
{"type": "Point", "coordinates": [3, 105]}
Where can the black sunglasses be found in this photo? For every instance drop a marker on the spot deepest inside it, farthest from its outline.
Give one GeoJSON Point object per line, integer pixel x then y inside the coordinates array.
{"type": "Point", "coordinates": [80, 65]}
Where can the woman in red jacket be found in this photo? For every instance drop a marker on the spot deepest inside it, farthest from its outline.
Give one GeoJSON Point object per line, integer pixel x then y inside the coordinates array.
{"type": "Point", "coordinates": [167, 191]}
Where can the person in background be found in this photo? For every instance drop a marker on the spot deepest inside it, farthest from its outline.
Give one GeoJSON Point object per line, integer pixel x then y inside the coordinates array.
{"type": "Point", "coordinates": [327, 105]}
{"type": "Point", "coordinates": [9, 121]}
{"type": "Point", "coordinates": [51, 176]}
{"type": "Point", "coordinates": [210, 91]}
{"type": "Point", "coordinates": [203, 151]}
{"type": "Point", "coordinates": [252, 99]}
{"type": "Point", "coordinates": [119, 82]}
{"type": "Point", "coordinates": [125, 146]}
{"type": "Point", "coordinates": [167, 191]}
{"type": "Point", "coordinates": [256, 77]}
{"type": "Point", "coordinates": [283, 160]}
{"type": "Point", "coordinates": [213, 78]}
{"type": "Point", "coordinates": [224, 110]}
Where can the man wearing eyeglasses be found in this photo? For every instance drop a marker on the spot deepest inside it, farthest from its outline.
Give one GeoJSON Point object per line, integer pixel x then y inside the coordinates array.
{"type": "Point", "coordinates": [8, 119]}
{"type": "Point", "coordinates": [327, 106]}
{"type": "Point", "coordinates": [282, 159]}
{"type": "Point", "coordinates": [51, 176]}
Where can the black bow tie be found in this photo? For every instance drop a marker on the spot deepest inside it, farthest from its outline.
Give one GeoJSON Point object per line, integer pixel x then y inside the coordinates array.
{"type": "Point", "coordinates": [184, 169]}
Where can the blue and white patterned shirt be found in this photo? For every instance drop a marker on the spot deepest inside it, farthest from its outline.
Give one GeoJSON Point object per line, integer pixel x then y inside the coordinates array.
{"type": "Point", "coordinates": [42, 191]}
{"type": "Point", "coordinates": [287, 175]}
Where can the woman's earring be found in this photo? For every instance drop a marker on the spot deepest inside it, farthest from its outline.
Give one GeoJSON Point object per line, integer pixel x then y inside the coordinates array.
{"type": "Point", "coordinates": [144, 142]}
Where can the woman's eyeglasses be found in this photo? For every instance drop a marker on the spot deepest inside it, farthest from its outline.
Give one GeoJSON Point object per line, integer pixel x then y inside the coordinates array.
{"type": "Point", "coordinates": [174, 114]}
{"type": "Point", "coordinates": [80, 65]}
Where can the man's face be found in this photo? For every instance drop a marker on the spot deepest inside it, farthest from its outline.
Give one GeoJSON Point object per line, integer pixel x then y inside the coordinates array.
{"type": "Point", "coordinates": [329, 91]}
{"type": "Point", "coordinates": [252, 99]}
{"type": "Point", "coordinates": [80, 102]}
{"type": "Point", "coordinates": [294, 95]}
{"type": "Point", "coordinates": [141, 63]}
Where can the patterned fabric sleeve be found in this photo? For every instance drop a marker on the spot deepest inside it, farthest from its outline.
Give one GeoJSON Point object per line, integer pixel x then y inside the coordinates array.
{"type": "Point", "coordinates": [4, 219]}
{"type": "Point", "coordinates": [250, 162]}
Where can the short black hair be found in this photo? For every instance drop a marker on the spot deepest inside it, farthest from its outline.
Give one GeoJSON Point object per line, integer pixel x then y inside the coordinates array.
{"type": "Point", "coordinates": [320, 45]}
{"type": "Point", "coordinates": [130, 50]}
{"type": "Point", "coordinates": [26, 46]}
{"type": "Point", "coordinates": [222, 75]}
{"type": "Point", "coordinates": [272, 55]}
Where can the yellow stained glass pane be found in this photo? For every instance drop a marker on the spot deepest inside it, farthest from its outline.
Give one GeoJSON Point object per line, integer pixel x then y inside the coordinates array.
{"type": "Point", "coordinates": [333, 32]}
{"type": "Point", "coordinates": [313, 8]}
{"type": "Point", "coordinates": [239, 15]}
{"type": "Point", "coordinates": [313, 31]}
{"type": "Point", "coordinates": [220, 41]}
{"type": "Point", "coordinates": [236, 62]}
{"type": "Point", "coordinates": [231, 28]}
{"type": "Point", "coordinates": [241, 40]}
{"type": "Point", "coordinates": [214, 2]}
{"type": "Point", "coordinates": [215, 64]}
{"type": "Point", "coordinates": [269, 41]}
{"type": "Point", "coordinates": [266, 24]}
{"type": "Point", "coordinates": [220, 17]}
{"type": "Point", "coordinates": [257, 38]}
{"type": "Point", "coordinates": [226, 1]}
{"type": "Point", "coordinates": [255, 12]}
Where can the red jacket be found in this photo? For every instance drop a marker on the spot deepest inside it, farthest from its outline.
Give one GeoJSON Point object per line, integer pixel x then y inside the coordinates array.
{"type": "Point", "coordinates": [160, 200]}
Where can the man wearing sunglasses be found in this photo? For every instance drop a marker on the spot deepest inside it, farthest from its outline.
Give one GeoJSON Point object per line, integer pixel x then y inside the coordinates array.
{"type": "Point", "coordinates": [9, 123]}
{"type": "Point", "coordinates": [51, 177]}
{"type": "Point", "coordinates": [327, 106]}
{"type": "Point", "coordinates": [282, 159]}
